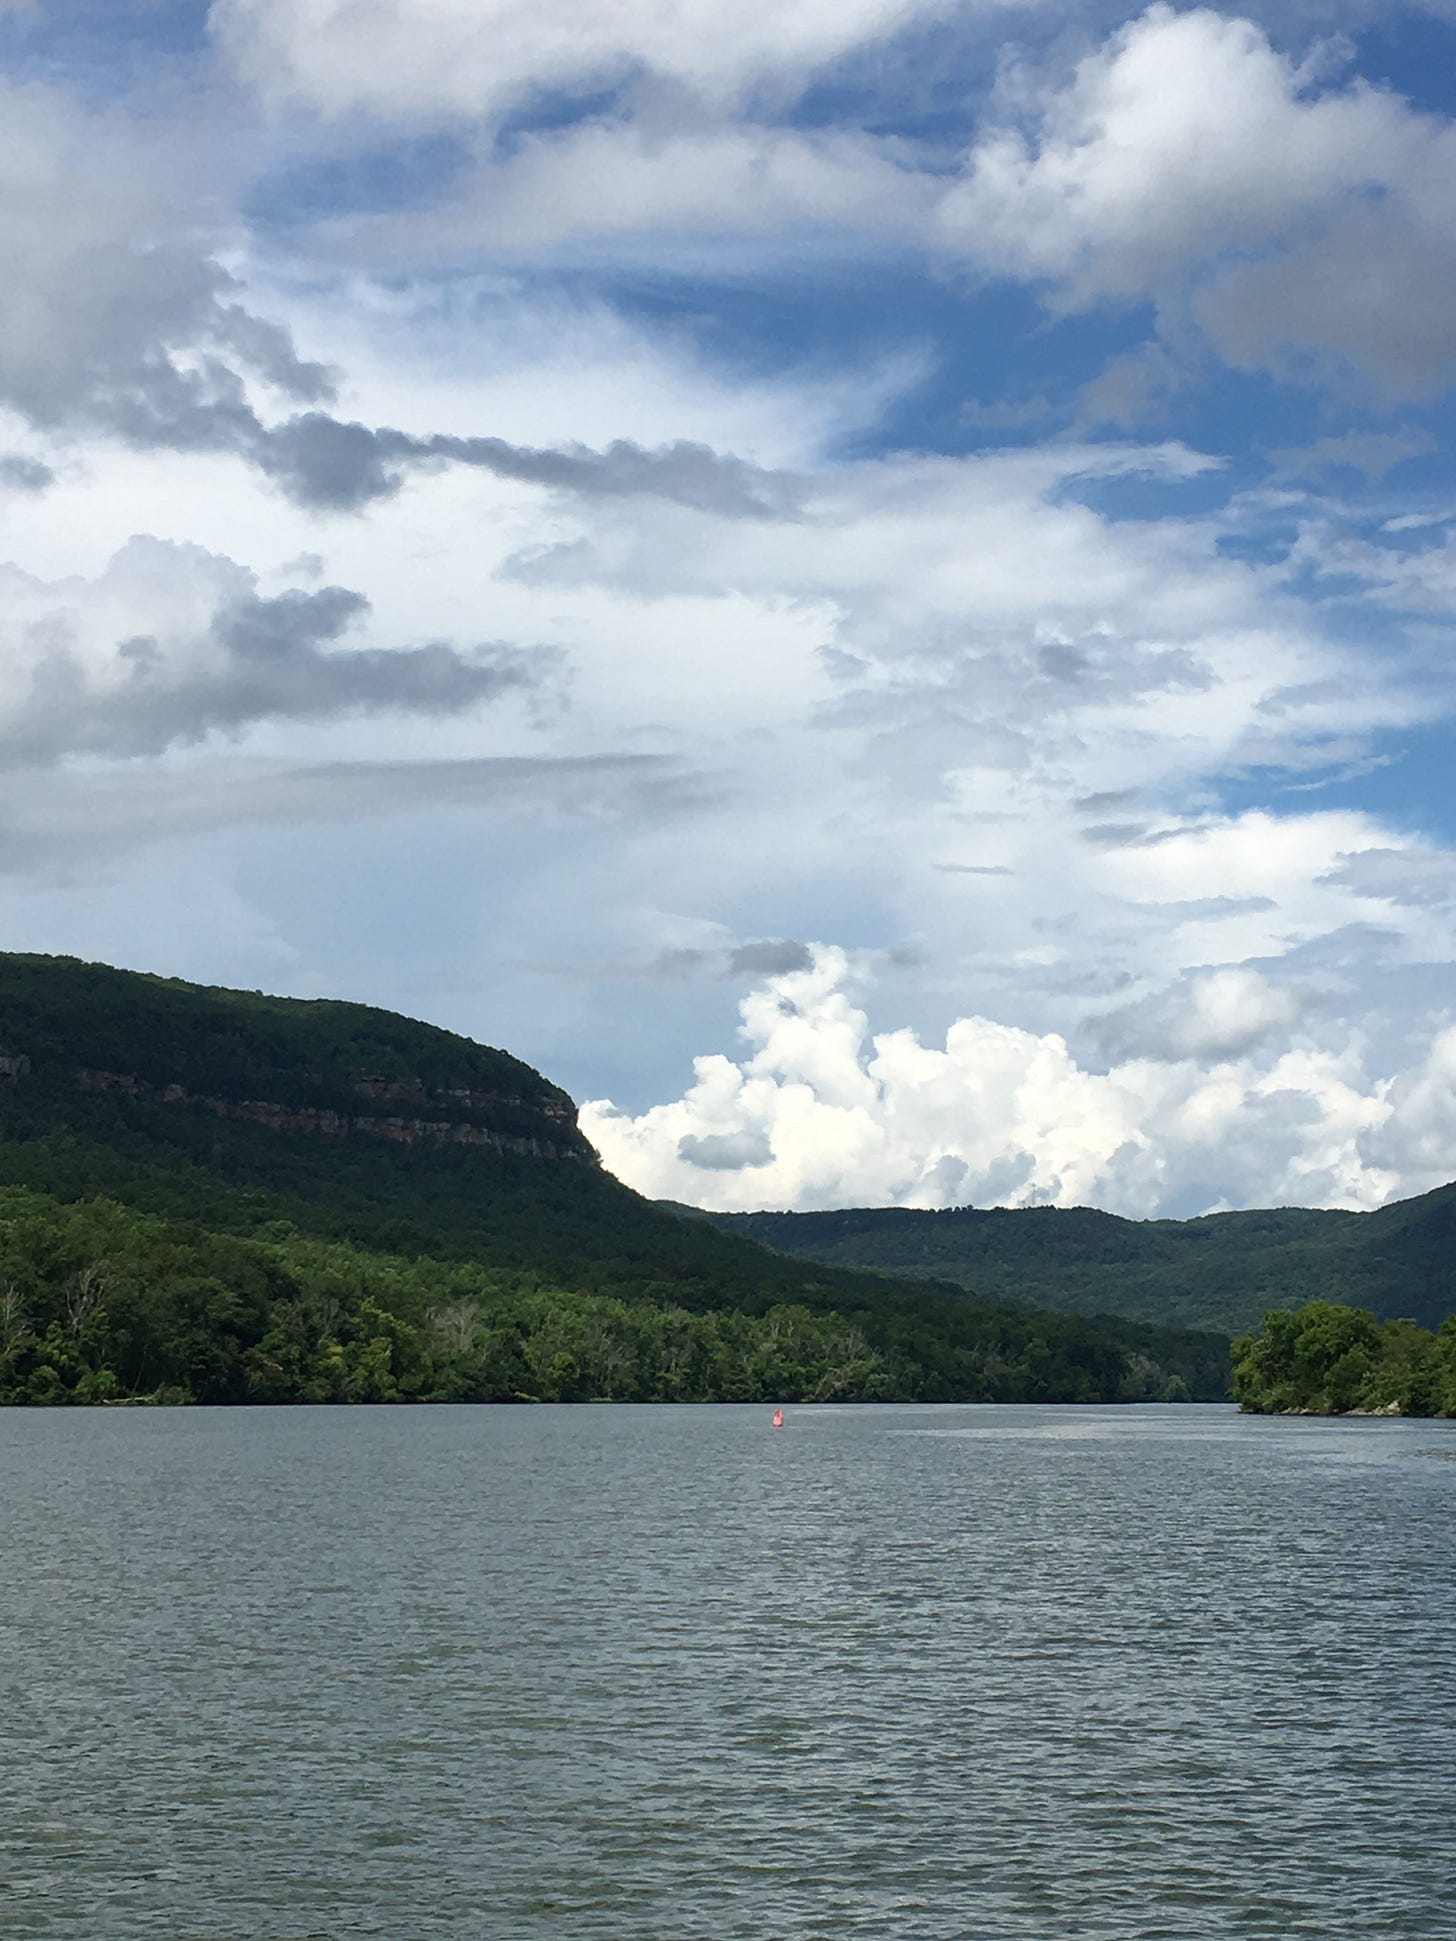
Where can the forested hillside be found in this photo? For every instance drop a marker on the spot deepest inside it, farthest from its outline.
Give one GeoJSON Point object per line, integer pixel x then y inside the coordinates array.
{"type": "Point", "coordinates": [1221, 1272]}
{"type": "Point", "coordinates": [221, 1196]}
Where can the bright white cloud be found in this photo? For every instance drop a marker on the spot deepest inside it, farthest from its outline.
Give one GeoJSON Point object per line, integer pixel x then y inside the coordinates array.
{"type": "Point", "coordinates": [1418, 1137]}
{"type": "Point", "coordinates": [975, 716]}
{"type": "Point", "coordinates": [480, 57]}
{"type": "Point", "coordinates": [1190, 163]}
{"type": "Point", "coordinates": [823, 1112]}
{"type": "Point", "coordinates": [1225, 1013]}
{"type": "Point", "coordinates": [681, 193]}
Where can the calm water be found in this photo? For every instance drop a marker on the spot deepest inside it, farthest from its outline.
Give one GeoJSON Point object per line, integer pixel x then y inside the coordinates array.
{"type": "Point", "coordinates": [657, 1673]}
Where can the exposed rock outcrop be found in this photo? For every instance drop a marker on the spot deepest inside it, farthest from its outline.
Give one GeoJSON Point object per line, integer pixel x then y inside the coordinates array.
{"type": "Point", "coordinates": [462, 1127]}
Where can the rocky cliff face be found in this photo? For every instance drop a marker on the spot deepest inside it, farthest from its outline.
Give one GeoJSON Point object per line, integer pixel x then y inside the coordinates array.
{"type": "Point", "coordinates": [318, 1066]}
{"type": "Point", "coordinates": [456, 1115]}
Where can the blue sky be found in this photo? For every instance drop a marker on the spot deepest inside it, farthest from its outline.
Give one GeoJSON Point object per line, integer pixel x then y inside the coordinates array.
{"type": "Point", "coordinates": [869, 585]}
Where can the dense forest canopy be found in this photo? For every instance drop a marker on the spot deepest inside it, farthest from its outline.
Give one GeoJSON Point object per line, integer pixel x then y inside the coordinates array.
{"type": "Point", "coordinates": [1329, 1359]}
{"type": "Point", "coordinates": [1221, 1271]}
{"type": "Point", "coordinates": [62, 1014]}
{"type": "Point", "coordinates": [100, 1303]}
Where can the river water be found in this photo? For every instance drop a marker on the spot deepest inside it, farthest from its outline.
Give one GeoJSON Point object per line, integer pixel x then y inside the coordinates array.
{"type": "Point", "coordinates": [668, 1672]}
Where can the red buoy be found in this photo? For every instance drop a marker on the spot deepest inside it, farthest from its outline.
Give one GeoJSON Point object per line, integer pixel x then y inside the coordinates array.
{"type": "Point", "coordinates": [778, 1418]}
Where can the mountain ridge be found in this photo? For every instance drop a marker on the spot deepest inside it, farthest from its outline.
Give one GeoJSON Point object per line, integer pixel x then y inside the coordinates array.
{"type": "Point", "coordinates": [248, 1054]}
{"type": "Point", "coordinates": [1219, 1270]}
{"type": "Point", "coordinates": [195, 1198]}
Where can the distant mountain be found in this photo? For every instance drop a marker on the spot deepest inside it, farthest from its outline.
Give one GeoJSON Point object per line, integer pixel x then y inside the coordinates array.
{"type": "Point", "coordinates": [1222, 1271]}
{"type": "Point", "coordinates": [228, 1196]}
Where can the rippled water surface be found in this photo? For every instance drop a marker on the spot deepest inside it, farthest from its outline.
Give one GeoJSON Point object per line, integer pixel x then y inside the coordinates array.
{"type": "Point", "coordinates": [667, 1672]}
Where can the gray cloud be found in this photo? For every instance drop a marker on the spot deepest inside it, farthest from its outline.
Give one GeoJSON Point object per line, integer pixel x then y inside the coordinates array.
{"type": "Point", "coordinates": [1288, 700]}
{"type": "Point", "coordinates": [115, 314]}
{"type": "Point", "coordinates": [761, 957]}
{"type": "Point", "coordinates": [22, 474]}
{"type": "Point", "coordinates": [1202, 909]}
{"type": "Point", "coordinates": [1130, 391]}
{"type": "Point", "coordinates": [685, 961]}
{"type": "Point", "coordinates": [116, 373]}
{"type": "Point", "coordinates": [1416, 878]}
{"type": "Point", "coordinates": [1372, 453]}
{"type": "Point", "coordinates": [1129, 668]}
{"type": "Point", "coordinates": [257, 659]}
{"type": "Point", "coordinates": [322, 462]}
{"type": "Point", "coordinates": [1103, 799]}
{"type": "Point", "coordinates": [725, 1152]}
{"type": "Point", "coordinates": [609, 788]}
{"type": "Point", "coordinates": [116, 317]}
{"type": "Point", "coordinates": [1374, 293]}
{"type": "Point", "coordinates": [770, 957]}
{"type": "Point", "coordinates": [1212, 1014]}
{"type": "Point", "coordinates": [55, 819]}
{"type": "Point", "coordinates": [1115, 835]}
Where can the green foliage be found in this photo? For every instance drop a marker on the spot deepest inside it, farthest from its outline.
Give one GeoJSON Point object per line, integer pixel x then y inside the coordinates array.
{"type": "Point", "coordinates": [61, 1015]}
{"type": "Point", "coordinates": [1328, 1359]}
{"type": "Point", "coordinates": [100, 1303]}
{"type": "Point", "coordinates": [153, 1248]}
{"type": "Point", "coordinates": [1220, 1272]}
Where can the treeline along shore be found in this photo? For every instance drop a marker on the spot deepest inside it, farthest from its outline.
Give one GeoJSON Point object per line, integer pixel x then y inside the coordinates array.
{"type": "Point", "coordinates": [218, 1196]}
{"type": "Point", "coordinates": [1328, 1359]}
{"type": "Point", "coordinates": [102, 1304]}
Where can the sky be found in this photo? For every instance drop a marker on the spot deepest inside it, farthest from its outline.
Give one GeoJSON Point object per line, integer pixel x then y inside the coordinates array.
{"type": "Point", "coordinates": [865, 583]}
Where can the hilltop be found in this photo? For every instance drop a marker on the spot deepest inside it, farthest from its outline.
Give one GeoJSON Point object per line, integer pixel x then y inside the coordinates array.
{"type": "Point", "coordinates": [225, 1196]}
{"type": "Point", "coordinates": [1221, 1271]}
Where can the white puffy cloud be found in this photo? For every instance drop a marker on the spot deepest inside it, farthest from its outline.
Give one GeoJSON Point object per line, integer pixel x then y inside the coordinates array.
{"type": "Point", "coordinates": [480, 57]}
{"type": "Point", "coordinates": [116, 313]}
{"type": "Point", "coordinates": [1418, 1137]}
{"type": "Point", "coordinates": [942, 704]}
{"type": "Point", "coordinates": [962, 714]}
{"type": "Point", "coordinates": [1189, 163]}
{"type": "Point", "coordinates": [823, 1112]}
{"type": "Point", "coordinates": [1207, 1015]}
{"type": "Point", "coordinates": [1286, 220]}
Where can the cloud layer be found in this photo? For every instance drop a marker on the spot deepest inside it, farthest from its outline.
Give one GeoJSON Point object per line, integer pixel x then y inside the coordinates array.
{"type": "Point", "coordinates": [1189, 164]}
{"type": "Point", "coordinates": [216, 657]}
{"type": "Point", "coordinates": [821, 1111]}
{"type": "Point", "coordinates": [526, 514]}
{"type": "Point", "coordinates": [483, 57]}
